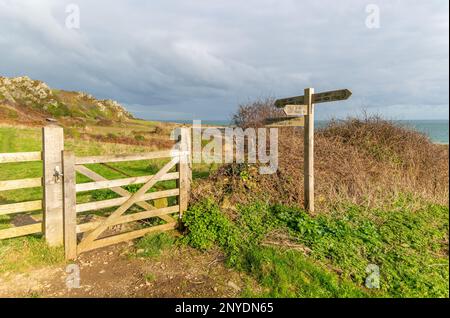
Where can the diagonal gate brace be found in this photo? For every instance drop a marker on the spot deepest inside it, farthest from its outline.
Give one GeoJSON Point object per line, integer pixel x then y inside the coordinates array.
{"type": "Point", "coordinates": [124, 207]}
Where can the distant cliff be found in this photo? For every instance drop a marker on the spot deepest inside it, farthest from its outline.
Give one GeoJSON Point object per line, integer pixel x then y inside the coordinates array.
{"type": "Point", "coordinates": [25, 100]}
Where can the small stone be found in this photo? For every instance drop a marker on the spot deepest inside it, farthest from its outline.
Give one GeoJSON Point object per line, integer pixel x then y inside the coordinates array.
{"type": "Point", "coordinates": [233, 285]}
{"type": "Point", "coordinates": [102, 271]}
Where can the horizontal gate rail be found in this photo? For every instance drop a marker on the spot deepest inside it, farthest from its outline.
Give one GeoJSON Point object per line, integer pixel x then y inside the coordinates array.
{"type": "Point", "coordinates": [89, 186]}
{"type": "Point", "coordinates": [85, 227]}
{"type": "Point", "coordinates": [118, 201]}
{"type": "Point", "coordinates": [122, 158]}
{"type": "Point", "coordinates": [128, 236]}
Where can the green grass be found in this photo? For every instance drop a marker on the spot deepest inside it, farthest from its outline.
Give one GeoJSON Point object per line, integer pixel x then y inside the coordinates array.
{"type": "Point", "coordinates": [25, 253]}
{"type": "Point", "coordinates": [290, 274]}
{"type": "Point", "coordinates": [409, 247]}
{"type": "Point", "coordinates": [149, 277]}
{"type": "Point", "coordinates": [152, 245]}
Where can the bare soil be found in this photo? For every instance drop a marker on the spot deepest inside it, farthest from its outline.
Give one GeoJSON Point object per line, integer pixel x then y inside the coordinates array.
{"type": "Point", "coordinates": [114, 272]}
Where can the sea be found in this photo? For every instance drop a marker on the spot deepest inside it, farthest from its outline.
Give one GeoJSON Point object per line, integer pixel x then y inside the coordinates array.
{"type": "Point", "coordinates": [437, 130]}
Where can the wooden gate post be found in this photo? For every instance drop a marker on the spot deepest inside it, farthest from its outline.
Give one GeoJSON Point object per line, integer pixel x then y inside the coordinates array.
{"type": "Point", "coordinates": [53, 145]}
{"type": "Point", "coordinates": [309, 151]}
{"type": "Point", "coordinates": [184, 168]}
{"type": "Point", "coordinates": [70, 200]}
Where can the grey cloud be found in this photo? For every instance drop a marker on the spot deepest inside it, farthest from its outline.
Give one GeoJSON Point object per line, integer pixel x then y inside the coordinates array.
{"type": "Point", "coordinates": [177, 59]}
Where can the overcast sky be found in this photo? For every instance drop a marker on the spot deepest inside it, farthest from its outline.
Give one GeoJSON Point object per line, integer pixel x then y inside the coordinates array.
{"type": "Point", "coordinates": [179, 59]}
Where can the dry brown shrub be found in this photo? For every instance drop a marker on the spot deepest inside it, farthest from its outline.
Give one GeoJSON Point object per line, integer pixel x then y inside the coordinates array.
{"type": "Point", "coordinates": [254, 114]}
{"type": "Point", "coordinates": [367, 161]}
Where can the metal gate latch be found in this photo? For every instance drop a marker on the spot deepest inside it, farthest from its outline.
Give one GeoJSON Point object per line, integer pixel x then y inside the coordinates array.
{"type": "Point", "coordinates": [57, 174]}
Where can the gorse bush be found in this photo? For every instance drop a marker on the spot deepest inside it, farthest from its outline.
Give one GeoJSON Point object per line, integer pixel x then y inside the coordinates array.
{"type": "Point", "coordinates": [408, 246]}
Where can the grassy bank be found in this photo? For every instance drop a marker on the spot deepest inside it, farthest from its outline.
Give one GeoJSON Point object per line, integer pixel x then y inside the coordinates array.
{"type": "Point", "coordinates": [293, 254]}
{"type": "Point", "coordinates": [381, 205]}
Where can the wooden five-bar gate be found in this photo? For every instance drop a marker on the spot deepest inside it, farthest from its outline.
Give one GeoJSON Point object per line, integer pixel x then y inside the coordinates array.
{"type": "Point", "coordinates": [61, 213]}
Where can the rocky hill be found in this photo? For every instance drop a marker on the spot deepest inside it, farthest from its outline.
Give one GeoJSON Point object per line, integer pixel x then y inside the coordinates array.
{"type": "Point", "coordinates": [31, 101]}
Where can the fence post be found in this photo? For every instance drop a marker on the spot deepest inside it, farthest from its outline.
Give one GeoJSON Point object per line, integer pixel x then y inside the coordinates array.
{"type": "Point", "coordinates": [70, 200]}
{"type": "Point", "coordinates": [53, 145]}
{"type": "Point", "coordinates": [309, 151]}
{"type": "Point", "coordinates": [184, 168]}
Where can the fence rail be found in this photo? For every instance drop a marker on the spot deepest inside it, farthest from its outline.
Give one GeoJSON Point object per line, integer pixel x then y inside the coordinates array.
{"type": "Point", "coordinates": [20, 184]}
{"type": "Point", "coordinates": [20, 157]}
{"type": "Point", "coordinates": [20, 207]}
{"type": "Point", "coordinates": [27, 206]}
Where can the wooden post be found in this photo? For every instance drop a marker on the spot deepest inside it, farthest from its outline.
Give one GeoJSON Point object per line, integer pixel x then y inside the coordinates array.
{"type": "Point", "coordinates": [309, 151]}
{"type": "Point", "coordinates": [70, 199]}
{"type": "Point", "coordinates": [53, 145]}
{"type": "Point", "coordinates": [184, 168]}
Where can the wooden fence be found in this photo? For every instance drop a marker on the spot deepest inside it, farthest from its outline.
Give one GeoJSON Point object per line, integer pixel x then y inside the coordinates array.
{"type": "Point", "coordinates": [20, 207]}
{"type": "Point", "coordinates": [61, 212]}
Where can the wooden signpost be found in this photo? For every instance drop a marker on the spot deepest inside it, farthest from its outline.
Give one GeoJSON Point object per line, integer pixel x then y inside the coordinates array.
{"type": "Point", "coordinates": [324, 97]}
{"type": "Point", "coordinates": [300, 110]}
{"type": "Point", "coordinates": [295, 110]}
{"type": "Point", "coordinates": [285, 121]}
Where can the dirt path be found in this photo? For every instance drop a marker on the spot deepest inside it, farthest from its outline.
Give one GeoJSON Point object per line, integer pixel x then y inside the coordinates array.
{"type": "Point", "coordinates": [112, 272]}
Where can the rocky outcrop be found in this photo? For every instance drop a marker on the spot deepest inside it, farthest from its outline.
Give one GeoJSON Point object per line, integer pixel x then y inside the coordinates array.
{"type": "Point", "coordinates": [22, 93]}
